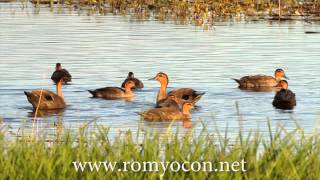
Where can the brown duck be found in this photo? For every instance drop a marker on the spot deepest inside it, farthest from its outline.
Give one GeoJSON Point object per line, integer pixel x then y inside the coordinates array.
{"type": "Point", "coordinates": [168, 113]}
{"type": "Point", "coordinates": [137, 82]}
{"type": "Point", "coordinates": [182, 95]}
{"type": "Point", "coordinates": [284, 98]}
{"type": "Point", "coordinates": [114, 92]}
{"type": "Point", "coordinates": [46, 100]}
{"type": "Point", "coordinates": [59, 72]}
{"type": "Point", "coordinates": [261, 81]}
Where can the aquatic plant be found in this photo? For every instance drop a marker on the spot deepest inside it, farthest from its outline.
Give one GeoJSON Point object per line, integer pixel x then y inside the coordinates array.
{"type": "Point", "coordinates": [284, 155]}
{"type": "Point", "coordinates": [197, 12]}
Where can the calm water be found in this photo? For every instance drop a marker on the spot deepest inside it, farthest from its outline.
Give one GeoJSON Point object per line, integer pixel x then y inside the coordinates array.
{"type": "Point", "coordinates": [100, 50]}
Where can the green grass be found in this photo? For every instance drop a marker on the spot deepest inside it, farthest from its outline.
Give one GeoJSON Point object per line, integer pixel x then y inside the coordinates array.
{"type": "Point", "coordinates": [284, 155]}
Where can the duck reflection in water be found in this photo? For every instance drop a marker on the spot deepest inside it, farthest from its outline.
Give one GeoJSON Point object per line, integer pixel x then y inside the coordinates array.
{"type": "Point", "coordinates": [47, 113]}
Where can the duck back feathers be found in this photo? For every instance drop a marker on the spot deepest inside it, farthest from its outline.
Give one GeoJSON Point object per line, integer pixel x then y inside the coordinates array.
{"type": "Point", "coordinates": [186, 94]}
{"type": "Point", "coordinates": [108, 93]}
{"type": "Point", "coordinates": [162, 114]}
{"type": "Point", "coordinates": [284, 99]}
{"type": "Point", "coordinates": [256, 81]}
{"type": "Point", "coordinates": [45, 100]}
{"type": "Point", "coordinates": [167, 103]}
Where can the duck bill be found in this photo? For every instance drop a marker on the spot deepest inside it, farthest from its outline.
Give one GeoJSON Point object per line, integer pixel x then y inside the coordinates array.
{"type": "Point", "coordinates": [284, 76]}
{"type": "Point", "coordinates": [154, 78]}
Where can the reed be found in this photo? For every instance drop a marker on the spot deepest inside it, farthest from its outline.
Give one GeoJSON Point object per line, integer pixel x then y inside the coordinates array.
{"type": "Point", "coordinates": [196, 12]}
{"type": "Point", "coordinates": [284, 155]}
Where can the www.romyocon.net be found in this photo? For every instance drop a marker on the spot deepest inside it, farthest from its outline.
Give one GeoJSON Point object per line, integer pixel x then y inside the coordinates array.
{"type": "Point", "coordinates": [162, 167]}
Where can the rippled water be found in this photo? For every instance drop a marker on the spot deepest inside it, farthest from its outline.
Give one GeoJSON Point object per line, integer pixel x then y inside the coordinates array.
{"type": "Point", "coordinates": [100, 50]}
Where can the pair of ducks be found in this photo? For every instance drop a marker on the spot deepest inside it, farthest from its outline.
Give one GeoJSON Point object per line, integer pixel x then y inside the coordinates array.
{"type": "Point", "coordinates": [175, 105]}
{"type": "Point", "coordinates": [283, 99]}
{"type": "Point", "coordinates": [47, 100]}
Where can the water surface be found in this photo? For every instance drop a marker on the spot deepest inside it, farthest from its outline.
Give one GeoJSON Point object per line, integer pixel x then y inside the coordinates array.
{"type": "Point", "coordinates": [100, 50]}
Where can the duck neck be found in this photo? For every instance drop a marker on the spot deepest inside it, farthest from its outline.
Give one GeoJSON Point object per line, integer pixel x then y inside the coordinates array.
{"type": "Point", "coordinates": [186, 113]}
{"type": "Point", "coordinates": [128, 91]}
{"type": "Point", "coordinates": [280, 89]}
{"type": "Point", "coordinates": [162, 94]}
{"type": "Point", "coordinates": [277, 77]}
{"type": "Point", "coordinates": [59, 89]}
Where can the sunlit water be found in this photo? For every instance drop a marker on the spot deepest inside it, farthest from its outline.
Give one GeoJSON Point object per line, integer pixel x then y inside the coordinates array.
{"type": "Point", "coordinates": [100, 50]}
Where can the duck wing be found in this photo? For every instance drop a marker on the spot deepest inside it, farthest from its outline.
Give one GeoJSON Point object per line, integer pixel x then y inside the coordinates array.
{"type": "Point", "coordinates": [108, 92]}
{"type": "Point", "coordinates": [162, 114]}
{"type": "Point", "coordinates": [256, 81]}
{"type": "Point", "coordinates": [137, 82]}
{"type": "Point", "coordinates": [167, 103]}
{"type": "Point", "coordinates": [45, 100]}
{"type": "Point", "coordinates": [63, 73]}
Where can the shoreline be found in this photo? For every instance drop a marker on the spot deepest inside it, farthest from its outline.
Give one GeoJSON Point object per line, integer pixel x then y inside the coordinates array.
{"type": "Point", "coordinates": [195, 12]}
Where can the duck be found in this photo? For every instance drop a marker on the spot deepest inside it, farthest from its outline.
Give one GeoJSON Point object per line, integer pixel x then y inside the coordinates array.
{"type": "Point", "coordinates": [113, 93]}
{"type": "Point", "coordinates": [47, 100]}
{"type": "Point", "coordinates": [138, 83]}
{"type": "Point", "coordinates": [181, 94]}
{"type": "Point", "coordinates": [284, 98]}
{"type": "Point", "coordinates": [261, 81]}
{"type": "Point", "coordinates": [168, 113]}
{"type": "Point", "coordinates": [61, 72]}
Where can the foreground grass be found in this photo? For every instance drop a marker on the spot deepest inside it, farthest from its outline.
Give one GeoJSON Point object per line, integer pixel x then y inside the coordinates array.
{"type": "Point", "coordinates": [283, 156]}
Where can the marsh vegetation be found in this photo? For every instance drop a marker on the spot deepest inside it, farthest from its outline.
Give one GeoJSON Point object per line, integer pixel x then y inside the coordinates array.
{"type": "Point", "coordinates": [197, 12]}
{"type": "Point", "coordinates": [284, 155]}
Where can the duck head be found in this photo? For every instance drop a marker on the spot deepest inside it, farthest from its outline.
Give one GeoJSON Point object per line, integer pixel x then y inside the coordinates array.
{"type": "Point", "coordinates": [162, 78]}
{"type": "Point", "coordinates": [279, 73]}
{"type": "Point", "coordinates": [129, 84]}
{"type": "Point", "coordinates": [283, 84]}
{"type": "Point", "coordinates": [186, 107]}
{"type": "Point", "coordinates": [58, 67]}
{"type": "Point", "coordinates": [130, 75]}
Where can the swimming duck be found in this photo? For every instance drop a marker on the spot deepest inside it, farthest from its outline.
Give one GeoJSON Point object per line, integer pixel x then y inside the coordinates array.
{"type": "Point", "coordinates": [284, 98]}
{"type": "Point", "coordinates": [168, 113]}
{"type": "Point", "coordinates": [138, 83]}
{"type": "Point", "coordinates": [47, 100]}
{"type": "Point", "coordinates": [61, 72]}
{"type": "Point", "coordinates": [261, 81]}
{"type": "Point", "coordinates": [114, 92]}
{"type": "Point", "coordinates": [182, 94]}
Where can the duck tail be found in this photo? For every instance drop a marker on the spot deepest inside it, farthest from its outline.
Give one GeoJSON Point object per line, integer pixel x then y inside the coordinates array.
{"type": "Point", "coordinates": [94, 93]}
{"type": "Point", "coordinates": [32, 99]}
{"type": "Point", "coordinates": [237, 80]}
{"type": "Point", "coordinates": [198, 96]}
{"type": "Point", "coordinates": [141, 114]}
{"type": "Point", "coordinates": [28, 94]}
{"type": "Point", "coordinates": [198, 93]}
